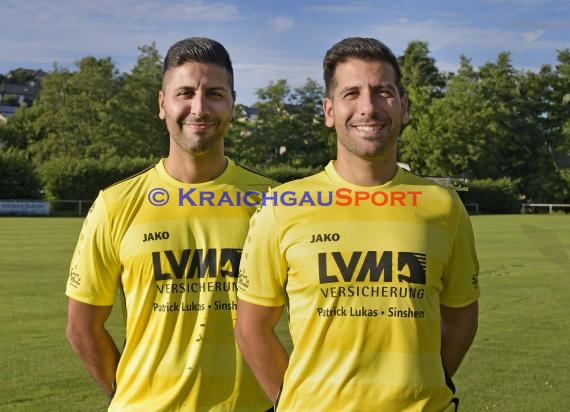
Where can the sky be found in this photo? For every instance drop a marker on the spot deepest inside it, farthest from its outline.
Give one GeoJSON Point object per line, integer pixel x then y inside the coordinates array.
{"type": "Point", "coordinates": [286, 39]}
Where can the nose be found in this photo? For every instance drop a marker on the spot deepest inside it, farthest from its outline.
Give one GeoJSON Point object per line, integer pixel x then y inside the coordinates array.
{"type": "Point", "coordinates": [367, 103]}
{"type": "Point", "coordinates": [199, 104]}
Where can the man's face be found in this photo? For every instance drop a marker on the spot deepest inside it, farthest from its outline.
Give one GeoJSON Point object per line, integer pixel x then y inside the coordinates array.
{"type": "Point", "coordinates": [366, 109]}
{"type": "Point", "coordinates": [196, 102]}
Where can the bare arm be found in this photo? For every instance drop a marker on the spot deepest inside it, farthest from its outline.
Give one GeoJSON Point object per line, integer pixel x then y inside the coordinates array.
{"type": "Point", "coordinates": [458, 328]}
{"type": "Point", "coordinates": [90, 340]}
{"type": "Point", "coordinates": [260, 346]}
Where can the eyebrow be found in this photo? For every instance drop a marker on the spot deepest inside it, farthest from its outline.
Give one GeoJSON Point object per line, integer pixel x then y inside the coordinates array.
{"type": "Point", "coordinates": [212, 88]}
{"type": "Point", "coordinates": [389, 86]}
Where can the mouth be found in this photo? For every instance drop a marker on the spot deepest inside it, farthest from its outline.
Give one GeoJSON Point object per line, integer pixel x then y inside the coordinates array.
{"type": "Point", "coordinates": [368, 127]}
{"type": "Point", "coordinates": [198, 125]}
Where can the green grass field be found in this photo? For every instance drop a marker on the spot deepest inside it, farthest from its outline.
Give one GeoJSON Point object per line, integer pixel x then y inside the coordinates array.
{"type": "Point", "coordinates": [520, 360]}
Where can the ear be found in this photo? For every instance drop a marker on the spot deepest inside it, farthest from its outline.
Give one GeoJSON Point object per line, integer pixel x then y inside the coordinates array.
{"type": "Point", "coordinates": [405, 115]}
{"type": "Point", "coordinates": [161, 114]}
{"type": "Point", "coordinates": [233, 105]}
{"type": "Point", "coordinates": [329, 113]}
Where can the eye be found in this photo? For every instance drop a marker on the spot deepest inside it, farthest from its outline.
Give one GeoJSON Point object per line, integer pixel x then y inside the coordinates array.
{"type": "Point", "coordinates": [216, 94]}
{"type": "Point", "coordinates": [350, 94]}
{"type": "Point", "coordinates": [186, 93]}
{"type": "Point", "coordinates": [385, 93]}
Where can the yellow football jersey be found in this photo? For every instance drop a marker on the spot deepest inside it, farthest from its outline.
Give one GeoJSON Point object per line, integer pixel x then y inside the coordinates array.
{"type": "Point", "coordinates": [363, 271]}
{"type": "Point", "coordinates": [173, 251]}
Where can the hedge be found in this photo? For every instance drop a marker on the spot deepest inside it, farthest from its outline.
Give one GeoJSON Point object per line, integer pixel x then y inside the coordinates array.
{"type": "Point", "coordinates": [18, 176]}
{"type": "Point", "coordinates": [81, 179]}
{"type": "Point", "coordinates": [493, 195]}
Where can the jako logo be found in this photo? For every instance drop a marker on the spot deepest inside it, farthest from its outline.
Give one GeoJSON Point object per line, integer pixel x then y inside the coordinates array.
{"type": "Point", "coordinates": [155, 236]}
{"type": "Point", "coordinates": [325, 237]}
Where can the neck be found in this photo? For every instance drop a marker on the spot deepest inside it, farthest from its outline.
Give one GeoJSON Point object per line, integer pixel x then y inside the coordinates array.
{"type": "Point", "coordinates": [190, 168]}
{"type": "Point", "coordinates": [367, 172]}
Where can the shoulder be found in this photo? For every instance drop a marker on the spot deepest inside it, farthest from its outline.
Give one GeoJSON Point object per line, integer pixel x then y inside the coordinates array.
{"type": "Point", "coordinates": [429, 186]}
{"type": "Point", "coordinates": [127, 185]}
{"type": "Point", "coordinates": [304, 184]}
{"type": "Point", "coordinates": [130, 181]}
{"type": "Point", "coordinates": [250, 179]}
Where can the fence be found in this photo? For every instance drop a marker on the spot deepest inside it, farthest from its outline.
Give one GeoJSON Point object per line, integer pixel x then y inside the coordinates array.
{"type": "Point", "coordinates": [70, 207]}
{"type": "Point", "coordinates": [529, 207]}
{"type": "Point", "coordinates": [472, 208]}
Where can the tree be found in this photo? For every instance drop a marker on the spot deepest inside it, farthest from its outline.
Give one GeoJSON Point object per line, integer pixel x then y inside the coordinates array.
{"type": "Point", "coordinates": [236, 142]}
{"type": "Point", "coordinates": [20, 76]}
{"type": "Point", "coordinates": [77, 111]}
{"type": "Point", "coordinates": [457, 134]}
{"type": "Point", "coordinates": [287, 128]}
{"type": "Point", "coordinates": [144, 134]}
{"type": "Point", "coordinates": [312, 144]}
{"type": "Point", "coordinates": [19, 132]}
{"type": "Point", "coordinates": [561, 93]}
{"type": "Point", "coordinates": [424, 84]}
{"type": "Point", "coordinates": [19, 178]}
{"type": "Point", "coordinates": [419, 69]}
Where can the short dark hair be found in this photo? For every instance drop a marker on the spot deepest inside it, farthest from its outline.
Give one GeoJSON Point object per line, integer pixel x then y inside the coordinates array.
{"type": "Point", "coordinates": [364, 48]}
{"type": "Point", "coordinates": [201, 50]}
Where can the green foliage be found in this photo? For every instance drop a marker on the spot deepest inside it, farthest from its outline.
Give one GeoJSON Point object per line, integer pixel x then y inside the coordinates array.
{"type": "Point", "coordinates": [20, 76]}
{"type": "Point", "coordinates": [95, 112]}
{"type": "Point", "coordinates": [286, 129]}
{"type": "Point", "coordinates": [76, 179]}
{"type": "Point", "coordinates": [10, 100]}
{"type": "Point", "coordinates": [423, 84]}
{"type": "Point", "coordinates": [489, 122]}
{"type": "Point", "coordinates": [77, 111]}
{"type": "Point", "coordinates": [493, 195]}
{"type": "Point", "coordinates": [419, 69]}
{"type": "Point", "coordinates": [143, 133]}
{"type": "Point", "coordinates": [19, 179]}
{"type": "Point", "coordinates": [21, 130]}
{"type": "Point", "coordinates": [284, 174]}
{"type": "Point", "coordinates": [450, 137]}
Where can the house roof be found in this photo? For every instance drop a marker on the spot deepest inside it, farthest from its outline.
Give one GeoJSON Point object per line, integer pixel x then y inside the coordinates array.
{"type": "Point", "coordinates": [19, 89]}
{"type": "Point", "coordinates": [7, 111]}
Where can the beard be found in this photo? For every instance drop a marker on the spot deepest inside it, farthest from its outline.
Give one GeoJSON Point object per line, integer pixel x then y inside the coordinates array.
{"type": "Point", "coordinates": [199, 142]}
{"type": "Point", "coordinates": [369, 145]}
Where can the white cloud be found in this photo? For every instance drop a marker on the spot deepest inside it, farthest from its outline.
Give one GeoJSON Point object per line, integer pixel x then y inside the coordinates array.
{"type": "Point", "coordinates": [345, 9]}
{"type": "Point", "coordinates": [532, 36]}
{"type": "Point", "coordinates": [252, 76]}
{"type": "Point", "coordinates": [283, 23]}
{"type": "Point", "coordinates": [64, 31]}
{"type": "Point", "coordinates": [461, 38]}
{"type": "Point", "coordinates": [58, 11]}
{"type": "Point", "coordinates": [199, 10]}
{"type": "Point", "coordinates": [515, 3]}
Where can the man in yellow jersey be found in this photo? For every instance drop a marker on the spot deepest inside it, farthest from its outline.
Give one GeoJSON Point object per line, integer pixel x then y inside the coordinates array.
{"type": "Point", "coordinates": [376, 266]}
{"type": "Point", "coordinates": [169, 239]}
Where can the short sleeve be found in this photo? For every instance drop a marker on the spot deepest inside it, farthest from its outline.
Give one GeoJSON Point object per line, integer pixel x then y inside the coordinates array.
{"type": "Point", "coordinates": [263, 272]}
{"type": "Point", "coordinates": [460, 278]}
{"type": "Point", "coordinates": [95, 269]}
